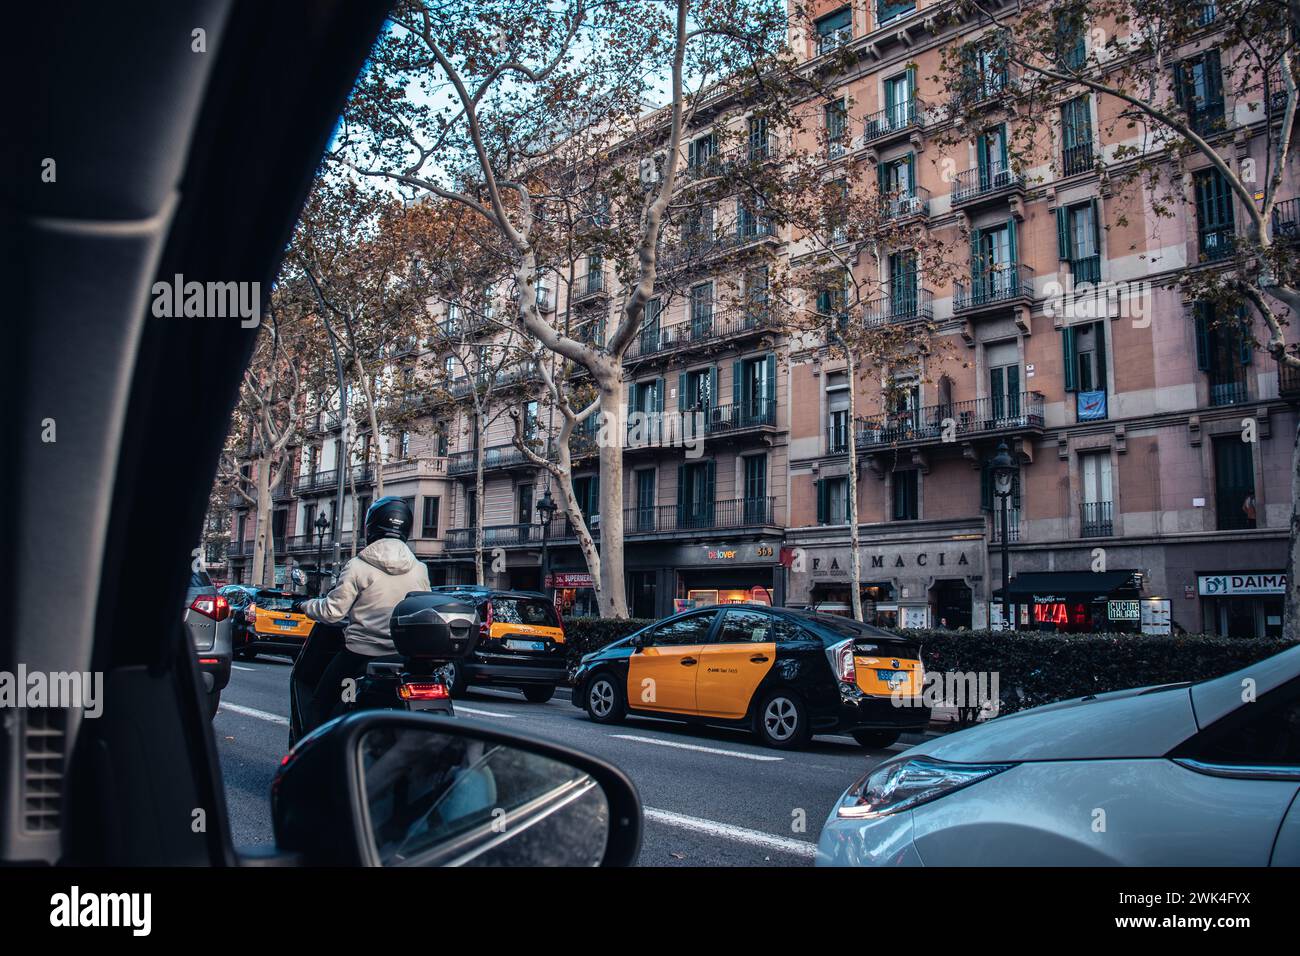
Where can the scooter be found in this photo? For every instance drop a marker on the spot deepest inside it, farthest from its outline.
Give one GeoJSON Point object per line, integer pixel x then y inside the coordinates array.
{"type": "Point", "coordinates": [429, 631]}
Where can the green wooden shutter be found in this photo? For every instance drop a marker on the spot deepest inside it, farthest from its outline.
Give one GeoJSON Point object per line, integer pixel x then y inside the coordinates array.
{"type": "Point", "coordinates": [737, 386]}
{"type": "Point", "coordinates": [1070, 358]}
{"type": "Point", "coordinates": [1200, 312]}
{"type": "Point", "coordinates": [1180, 95]}
{"type": "Point", "coordinates": [821, 500]}
{"type": "Point", "coordinates": [982, 154]}
{"type": "Point", "coordinates": [911, 174]}
{"type": "Point", "coordinates": [769, 373]}
{"type": "Point", "coordinates": [976, 255]}
{"type": "Point", "coordinates": [681, 496]}
{"type": "Point", "coordinates": [1063, 234]}
{"type": "Point", "coordinates": [881, 183]}
{"type": "Point", "coordinates": [713, 387]}
{"type": "Point", "coordinates": [1096, 226]}
{"type": "Point", "coordinates": [681, 392]}
{"type": "Point", "coordinates": [709, 491]}
{"type": "Point", "coordinates": [659, 395]}
{"type": "Point", "coordinates": [1213, 81]}
{"type": "Point", "coordinates": [1011, 244]}
{"type": "Point", "coordinates": [1099, 333]}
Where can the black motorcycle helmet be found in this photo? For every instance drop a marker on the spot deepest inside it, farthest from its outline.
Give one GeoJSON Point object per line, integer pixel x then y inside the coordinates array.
{"type": "Point", "coordinates": [389, 517]}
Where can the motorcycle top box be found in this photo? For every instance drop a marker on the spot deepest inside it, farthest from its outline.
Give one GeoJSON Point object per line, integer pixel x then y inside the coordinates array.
{"type": "Point", "coordinates": [432, 626]}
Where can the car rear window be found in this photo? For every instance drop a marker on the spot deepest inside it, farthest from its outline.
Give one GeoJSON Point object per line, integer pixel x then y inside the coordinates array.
{"type": "Point", "coordinates": [273, 601]}
{"type": "Point", "coordinates": [200, 579]}
{"type": "Point", "coordinates": [524, 611]}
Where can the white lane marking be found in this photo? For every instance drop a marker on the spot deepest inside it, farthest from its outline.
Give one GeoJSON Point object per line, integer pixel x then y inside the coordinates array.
{"type": "Point", "coordinates": [482, 713]}
{"type": "Point", "coordinates": [253, 712]}
{"type": "Point", "coordinates": [765, 758]}
{"type": "Point", "coordinates": [729, 832]}
{"type": "Point", "coordinates": [240, 668]}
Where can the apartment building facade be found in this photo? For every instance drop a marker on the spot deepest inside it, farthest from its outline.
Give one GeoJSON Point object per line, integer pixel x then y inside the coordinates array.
{"type": "Point", "coordinates": [1152, 448]}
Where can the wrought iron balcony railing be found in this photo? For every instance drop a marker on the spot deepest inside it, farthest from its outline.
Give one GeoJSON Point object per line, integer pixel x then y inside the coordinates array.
{"type": "Point", "coordinates": [894, 120]}
{"type": "Point", "coordinates": [992, 179]}
{"type": "Point", "coordinates": [1017, 412]}
{"type": "Point", "coordinates": [993, 287]}
{"type": "Point", "coordinates": [1096, 519]}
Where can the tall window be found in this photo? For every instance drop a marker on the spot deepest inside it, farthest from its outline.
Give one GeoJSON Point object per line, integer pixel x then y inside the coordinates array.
{"type": "Point", "coordinates": [833, 500]}
{"type": "Point", "coordinates": [1096, 518]}
{"type": "Point", "coordinates": [760, 147]}
{"type": "Point", "coordinates": [1223, 352]}
{"type": "Point", "coordinates": [1076, 136]}
{"type": "Point", "coordinates": [899, 95]}
{"type": "Point", "coordinates": [702, 310]}
{"type": "Point", "coordinates": [834, 29]}
{"type": "Point", "coordinates": [837, 124]}
{"type": "Point", "coordinates": [1085, 368]}
{"type": "Point", "coordinates": [756, 490]}
{"type": "Point", "coordinates": [837, 407]}
{"type": "Point", "coordinates": [429, 517]}
{"type": "Point", "coordinates": [701, 152]}
{"type": "Point", "coordinates": [1071, 52]}
{"type": "Point", "coordinates": [595, 273]}
{"type": "Point", "coordinates": [994, 272]}
{"type": "Point", "coordinates": [1234, 483]}
{"type": "Point", "coordinates": [1215, 228]}
{"type": "Point", "coordinates": [906, 495]}
{"type": "Point", "coordinates": [903, 284]}
{"type": "Point", "coordinates": [1198, 89]}
{"type": "Point", "coordinates": [1004, 382]}
{"type": "Point", "coordinates": [698, 390]}
{"type": "Point", "coordinates": [645, 499]}
{"type": "Point", "coordinates": [695, 489]}
{"type": "Point", "coordinates": [754, 390]}
{"type": "Point", "coordinates": [1078, 239]}
{"type": "Point", "coordinates": [524, 503]}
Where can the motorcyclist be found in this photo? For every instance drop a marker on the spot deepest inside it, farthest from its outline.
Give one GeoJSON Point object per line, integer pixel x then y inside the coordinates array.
{"type": "Point", "coordinates": [369, 588]}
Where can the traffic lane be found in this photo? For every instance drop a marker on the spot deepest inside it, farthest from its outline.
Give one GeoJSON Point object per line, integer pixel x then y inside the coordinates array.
{"type": "Point", "coordinates": [712, 795]}
{"type": "Point", "coordinates": [713, 773]}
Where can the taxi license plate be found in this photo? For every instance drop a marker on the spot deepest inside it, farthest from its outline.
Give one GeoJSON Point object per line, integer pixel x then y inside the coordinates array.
{"type": "Point", "coordinates": [892, 677]}
{"type": "Point", "coordinates": [526, 645]}
{"type": "Point", "coordinates": [285, 622]}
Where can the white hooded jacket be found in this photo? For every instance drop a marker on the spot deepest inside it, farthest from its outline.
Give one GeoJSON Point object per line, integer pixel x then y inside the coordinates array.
{"type": "Point", "coordinates": [371, 585]}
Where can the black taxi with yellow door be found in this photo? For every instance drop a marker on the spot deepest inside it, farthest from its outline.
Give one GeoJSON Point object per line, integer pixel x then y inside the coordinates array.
{"type": "Point", "coordinates": [785, 674]}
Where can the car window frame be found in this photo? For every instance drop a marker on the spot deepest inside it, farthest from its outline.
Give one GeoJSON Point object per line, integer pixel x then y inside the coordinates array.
{"type": "Point", "coordinates": [764, 612]}
{"type": "Point", "coordinates": [708, 637]}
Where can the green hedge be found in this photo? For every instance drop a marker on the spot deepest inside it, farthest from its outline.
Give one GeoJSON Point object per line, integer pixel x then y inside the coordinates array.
{"type": "Point", "coordinates": [1034, 667]}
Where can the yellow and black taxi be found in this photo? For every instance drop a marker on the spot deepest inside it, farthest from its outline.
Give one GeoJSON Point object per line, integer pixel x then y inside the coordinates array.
{"type": "Point", "coordinates": [520, 643]}
{"type": "Point", "coordinates": [266, 620]}
{"type": "Point", "coordinates": [783, 673]}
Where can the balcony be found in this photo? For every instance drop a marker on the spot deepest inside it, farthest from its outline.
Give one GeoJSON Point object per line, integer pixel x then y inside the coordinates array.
{"type": "Point", "coordinates": [1013, 526]}
{"type": "Point", "coordinates": [905, 204]}
{"type": "Point", "coordinates": [1096, 519]}
{"type": "Point", "coordinates": [1215, 245]}
{"type": "Point", "coordinates": [837, 437]}
{"type": "Point", "coordinates": [591, 289]}
{"type": "Point", "coordinates": [911, 305]}
{"type": "Point", "coordinates": [1228, 392]}
{"type": "Point", "coordinates": [1005, 415]}
{"type": "Point", "coordinates": [1086, 269]}
{"type": "Point", "coordinates": [1286, 220]}
{"type": "Point", "coordinates": [1077, 159]}
{"type": "Point", "coordinates": [740, 417]}
{"type": "Point", "coordinates": [694, 251]}
{"type": "Point", "coordinates": [464, 385]}
{"type": "Point", "coordinates": [734, 322]}
{"type": "Point", "coordinates": [894, 122]}
{"type": "Point", "coordinates": [995, 182]}
{"type": "Point", "coordinates": [317, 480]}
{"type": "Point", "coordinates": [996, 288]}
{"type": "Point", "coordinates": [1288, 381]}
{"type": "Point", "coordinates": [495, 458]}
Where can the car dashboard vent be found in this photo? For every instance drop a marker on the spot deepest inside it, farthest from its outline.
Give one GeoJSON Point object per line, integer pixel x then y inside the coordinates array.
{"type": "Point", "coordinates": [44, 745]}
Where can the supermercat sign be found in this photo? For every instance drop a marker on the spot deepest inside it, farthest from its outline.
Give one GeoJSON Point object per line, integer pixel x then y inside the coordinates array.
{"type": "Point", "coordinates": [1235, 585]}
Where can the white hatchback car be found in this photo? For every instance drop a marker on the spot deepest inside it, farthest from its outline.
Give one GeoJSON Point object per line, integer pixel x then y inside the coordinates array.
{"type": "Point", "coordinates": [1202, 774]}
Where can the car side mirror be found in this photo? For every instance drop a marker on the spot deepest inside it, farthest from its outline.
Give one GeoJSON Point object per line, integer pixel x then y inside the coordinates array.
{"type": "Point", "coordinates": [385, 788]}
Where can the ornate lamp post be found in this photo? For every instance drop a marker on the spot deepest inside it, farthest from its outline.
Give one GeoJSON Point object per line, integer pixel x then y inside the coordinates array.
{"type": "Point", "coordinates": [546, 509]}
{"type": "Point", "coordinates": [322, 524]}
{"type": "Point", "coordinates": [1003, 467]}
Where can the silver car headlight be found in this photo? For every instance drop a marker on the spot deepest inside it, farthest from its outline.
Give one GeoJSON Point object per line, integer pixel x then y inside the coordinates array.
{"type": "Point", "coordinates": [908, 782]}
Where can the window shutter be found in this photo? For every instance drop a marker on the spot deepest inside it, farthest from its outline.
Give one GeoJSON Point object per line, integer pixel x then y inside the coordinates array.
{"type": "Point", "coordinates": [659, 395]}
{"type": "Point", "coordinates": [982, 153]}
{"type": "Point", "coordinates": [681, 495]}
{"type": "Point", "coordinates": [681, 392]}
{"type": "Point", "coordinates": [1200, 313]}
{"type": "Point", "coordinates": [709, 471]}
{"type": "Point", "coordinates": [737, 383]}
{"type": "Point", "coordinates": [769, 373]}
{"type": "Point", "coordinates": [1180, 96]}
{"type": "Point", "coordinates": [1213, 80]}
{"type": "Point", "coordinates": [1243, 326]}
{"type": "Point", "coordinates": [1062, 234]}
{"type": "Point", "coordinates": [881, 178]}
{"type": "Point", "coordinates": [1070, 358]}
{"type": "Point", "coordinates": [986, 488]}
{"type": "Point", "coordinates": [911, 86]}
{"type": "Point", "coordinates": [1099, 353]}
{"type": "Point", "coordinates": [1096, 226]}
{"type": "Point", "coordinates": [713, 387]}
{"type": "Point", "coordinates": [911, 174]}
{"type": "Point", "coordinates": [976, 255]}
{"type": "Point", "coordinates": [1011, 244]}
{"type": "Point", "coordinates": [821, 500]}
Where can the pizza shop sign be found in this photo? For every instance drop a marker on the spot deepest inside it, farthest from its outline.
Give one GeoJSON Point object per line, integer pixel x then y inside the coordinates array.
{"type": "Point", "coordinates": [1237, 585]}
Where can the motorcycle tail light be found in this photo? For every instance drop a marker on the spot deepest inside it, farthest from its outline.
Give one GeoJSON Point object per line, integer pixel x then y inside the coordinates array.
{"type": "Point", "coordinates": [425, 691]}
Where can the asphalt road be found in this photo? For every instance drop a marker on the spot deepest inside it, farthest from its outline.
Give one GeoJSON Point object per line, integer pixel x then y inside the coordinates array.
{"type": "Point", "coordinates": [712, 796]}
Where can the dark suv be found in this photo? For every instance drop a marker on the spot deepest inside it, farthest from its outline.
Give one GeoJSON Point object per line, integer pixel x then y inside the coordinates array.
{"type": "Point", "coordinates": [520, 643]}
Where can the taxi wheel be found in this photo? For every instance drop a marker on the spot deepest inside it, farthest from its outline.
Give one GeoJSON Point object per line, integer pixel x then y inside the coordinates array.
{"type": "Point", "coordinates": [538, 695]}
{"type": "Point", "coordinates": [457, 680]}
{"type": "Point", "coordinates": [604, 700]}
{"type": "Point", "coordinates": [781, 720]}
{"type": "Point", "coordinates": [876, 739]}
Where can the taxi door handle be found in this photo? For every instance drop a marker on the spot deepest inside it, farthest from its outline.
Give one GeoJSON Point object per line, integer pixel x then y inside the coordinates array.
{"type": "Point", "coordinates": [689, 662]}
{"type": "Point", "coordinates": [759, 658]}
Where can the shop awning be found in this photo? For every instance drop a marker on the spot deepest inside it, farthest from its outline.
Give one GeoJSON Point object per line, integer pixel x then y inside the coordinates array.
{"type": "Point", "coordinates": [1049, 586]}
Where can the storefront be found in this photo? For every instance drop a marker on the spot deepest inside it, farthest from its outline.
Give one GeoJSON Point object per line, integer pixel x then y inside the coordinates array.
{"type": "Point", "coordinates": [574, 595]}
{"type": "Point", "coordinates": [921, 578]}
{"type": "Point", "coordinates": [1075, 602]}
{"type": "Point", "coordinates": [1246, 604]}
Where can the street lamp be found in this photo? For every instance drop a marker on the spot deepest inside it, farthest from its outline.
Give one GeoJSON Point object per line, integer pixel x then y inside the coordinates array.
{"type": "Point", "coordinates": [1003, 467]}
{"type": "Point", "coordinates": [322, 523]}
{"type": "Point", "coordinates": [546, 509]}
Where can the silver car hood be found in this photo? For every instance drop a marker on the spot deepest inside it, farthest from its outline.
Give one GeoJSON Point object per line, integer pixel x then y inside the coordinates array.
{"type": "Point", "coordinates": [1141, 722]}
